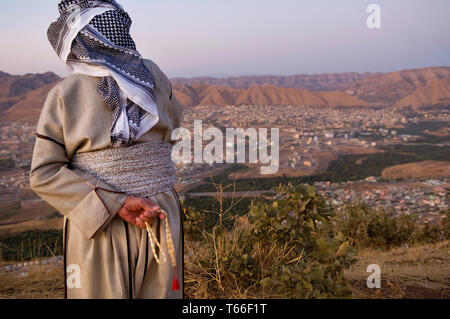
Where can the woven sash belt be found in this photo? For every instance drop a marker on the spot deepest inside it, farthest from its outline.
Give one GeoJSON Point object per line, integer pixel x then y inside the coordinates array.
{"type": "Point", "coordinates": [141, 170]}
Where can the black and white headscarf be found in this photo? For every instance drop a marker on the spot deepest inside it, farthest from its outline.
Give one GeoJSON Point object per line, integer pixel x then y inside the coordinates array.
{"type": "Point", "coordinates": [92, 37]}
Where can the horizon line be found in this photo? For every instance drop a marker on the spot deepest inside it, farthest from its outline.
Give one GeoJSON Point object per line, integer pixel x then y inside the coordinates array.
{"type": "Point", "coordinates": [255, 75]}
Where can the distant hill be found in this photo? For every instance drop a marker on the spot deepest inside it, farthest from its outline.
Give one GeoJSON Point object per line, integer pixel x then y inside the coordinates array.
{"type": "Point", "coordinates": [22, 97]}
{"type": "Point", "coordinates": [16, 85]}
{"type": "Point", "coordinates": [435, 93]}
{"type": "Point", "coordinates": [389, 88]}
{"type": "Point", "coordinates": [203, 94]}
{"type": "Point", "coordinates": [27, 107]}
{"type": "Point", "coordinates": [419, 88]}
{"type": "Point", "coordinates": [315, 82]}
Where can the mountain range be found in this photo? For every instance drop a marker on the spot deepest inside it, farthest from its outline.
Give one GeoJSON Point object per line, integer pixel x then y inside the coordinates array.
{"type": "Point", "coordinates": [22, 97]}
{"type": "Point", "coordinates": [205, 94]}
{"type": "Point", "coordinates": [315, 82]}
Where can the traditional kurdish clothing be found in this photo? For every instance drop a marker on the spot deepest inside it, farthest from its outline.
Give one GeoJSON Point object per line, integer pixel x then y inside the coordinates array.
{"type": "Point", "coordinates": [81, 127]}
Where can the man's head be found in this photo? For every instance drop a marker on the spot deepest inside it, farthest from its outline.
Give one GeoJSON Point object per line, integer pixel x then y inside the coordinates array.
{"type": "Point", "coordinates": [93, 38]}
{"type": "Point", "coordinates": [114, 24]}
{"type": "Point", "coordinates": [66, 6]}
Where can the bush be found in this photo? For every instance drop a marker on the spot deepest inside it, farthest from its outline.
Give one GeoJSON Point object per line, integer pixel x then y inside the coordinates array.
{"type": "Point", "coordinates": [314, 267]}
{"type": "Point", "coordinates": [277, 250]}
{"type": "Point", "coordinates": [368, 228]}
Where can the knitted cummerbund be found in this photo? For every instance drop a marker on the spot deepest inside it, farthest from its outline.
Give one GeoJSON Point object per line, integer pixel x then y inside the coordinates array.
{"type": "Point", "coordinates": [141, 170]}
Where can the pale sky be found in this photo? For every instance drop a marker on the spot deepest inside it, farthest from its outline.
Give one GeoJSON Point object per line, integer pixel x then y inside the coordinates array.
{"type": "Point", "coordinates": [249, 37]}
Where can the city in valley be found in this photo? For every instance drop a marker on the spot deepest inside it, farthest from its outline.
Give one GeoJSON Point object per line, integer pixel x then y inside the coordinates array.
{"type": "Point", "coordinates": [386, 158]}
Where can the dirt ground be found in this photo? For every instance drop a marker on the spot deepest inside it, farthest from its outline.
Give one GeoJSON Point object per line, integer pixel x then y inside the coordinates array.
{"type": "Point", "coordinates": [418, 273]}
{"type": "Point", "coordinates": [42, 282]}
{"type": "Point", "coordinates": [414, 273]}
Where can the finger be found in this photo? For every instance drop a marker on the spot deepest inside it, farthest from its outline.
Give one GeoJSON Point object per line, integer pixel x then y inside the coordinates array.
{"type": "Point", "coordinates": [148, 216]}
{"type": "Point", "coordinates": [140, 223]}
{"type": "Point", "coordinates": [149, 206]}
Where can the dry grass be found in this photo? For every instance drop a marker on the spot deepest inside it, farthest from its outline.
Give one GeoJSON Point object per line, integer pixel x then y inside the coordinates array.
{"type": "Point", "coordinates": [207, 278]}
{"type": "Point", "coordinates": [43, 282]}
{"type": "Point", "coordinates": [426, 169]}
{"type": "Point", "coordinates": [417, 272]}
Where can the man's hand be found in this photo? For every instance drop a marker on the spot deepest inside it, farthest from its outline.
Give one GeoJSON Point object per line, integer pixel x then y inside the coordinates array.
{"type": "Point", "coordinates": [138, 211]}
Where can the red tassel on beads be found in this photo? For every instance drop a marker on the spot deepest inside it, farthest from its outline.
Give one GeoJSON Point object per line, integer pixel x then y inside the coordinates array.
{"type": "Point", "coordinates": [175, 282]}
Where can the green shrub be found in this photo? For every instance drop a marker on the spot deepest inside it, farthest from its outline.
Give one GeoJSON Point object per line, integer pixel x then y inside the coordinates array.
{"type": "Point", "coordinates": [277, 250]}
{"type": "Point", "coordinates": [297, 220]}
{"type": "Point", "coordinates": [369, 228]}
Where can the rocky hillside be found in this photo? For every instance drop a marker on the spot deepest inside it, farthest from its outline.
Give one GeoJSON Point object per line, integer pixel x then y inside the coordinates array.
{"type": "Point", "coordinates": [22, 97]}
{"type": "Point", "coordinates": [390, 88]}
{"type": "Point", "coordinates": [435, 93]}
{"type": "Point", "coordinates": [16, 85]}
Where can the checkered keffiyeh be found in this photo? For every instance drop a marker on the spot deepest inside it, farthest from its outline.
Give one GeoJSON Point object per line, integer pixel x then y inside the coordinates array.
{"type": "Point", "coordinates": [93, 38]}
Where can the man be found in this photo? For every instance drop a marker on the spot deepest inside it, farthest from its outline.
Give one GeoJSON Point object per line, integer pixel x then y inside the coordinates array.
{"type": "Point", "coordinates": [103, 158]}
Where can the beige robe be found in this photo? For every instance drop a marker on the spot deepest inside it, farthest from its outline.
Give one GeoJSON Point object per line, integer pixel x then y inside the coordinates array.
{"type": "Point", "coordinates": [106, 257]}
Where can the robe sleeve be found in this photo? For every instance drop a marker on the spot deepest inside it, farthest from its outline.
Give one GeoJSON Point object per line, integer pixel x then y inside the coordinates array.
{"type": "Point", "coordinates": [88, 203]}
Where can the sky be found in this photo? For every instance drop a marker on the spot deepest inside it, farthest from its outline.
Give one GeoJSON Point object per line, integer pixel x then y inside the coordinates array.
{"type": "Point", "coordinates": [189, 38]}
